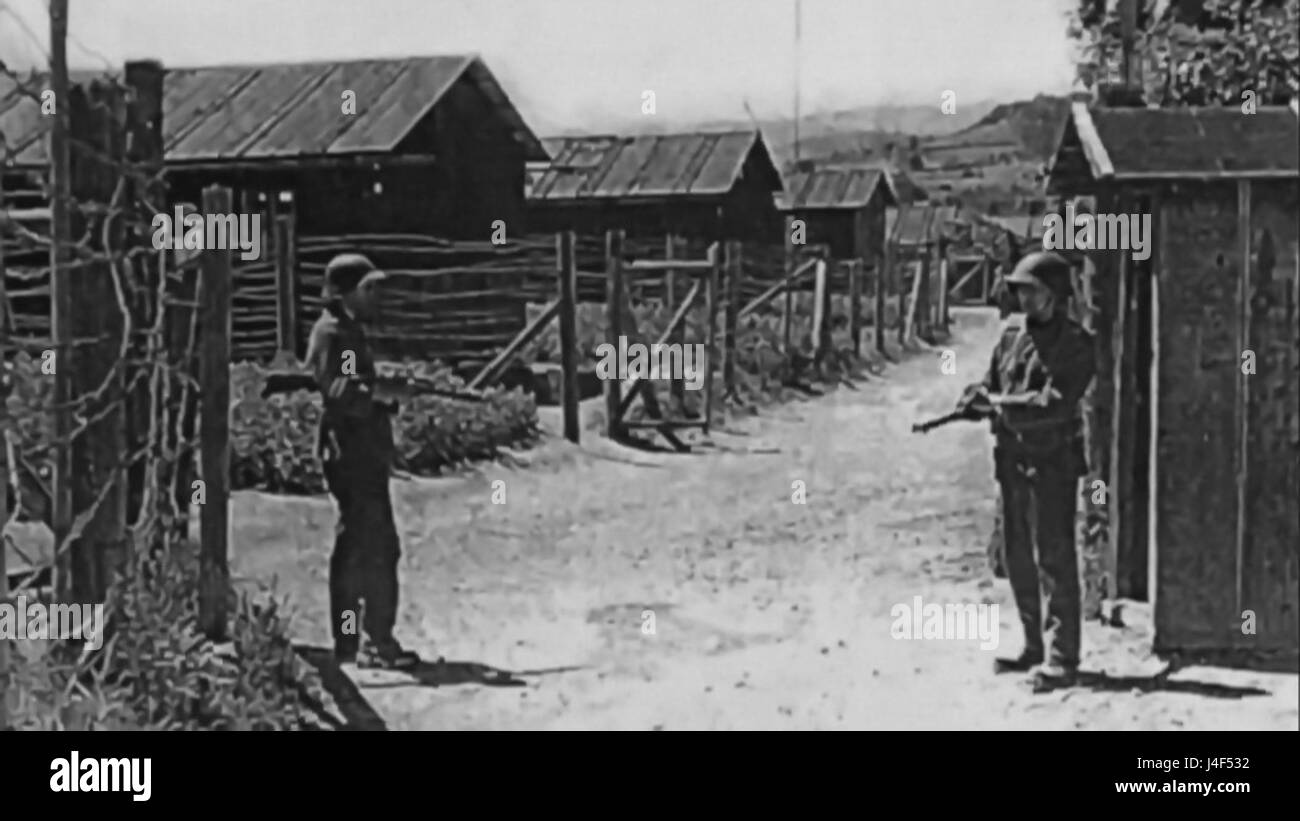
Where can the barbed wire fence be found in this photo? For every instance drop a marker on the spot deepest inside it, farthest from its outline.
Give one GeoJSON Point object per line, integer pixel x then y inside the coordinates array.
{"type": "Point", "coordinates": [100, 414]}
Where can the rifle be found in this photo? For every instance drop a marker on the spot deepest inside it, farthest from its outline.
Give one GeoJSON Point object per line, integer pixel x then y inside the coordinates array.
{"type": "Point", "coordinates": [990, 407]}
{"type": "Point", "coordinates": [290, 381]}
{"type": "Point", "coordinates": [965, 415]}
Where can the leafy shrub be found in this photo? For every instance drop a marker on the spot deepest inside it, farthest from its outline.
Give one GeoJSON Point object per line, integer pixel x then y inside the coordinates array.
{"type": "Point", "coordinates": [156, 671]}
{"type": "Point", "coordinates": [273, 441]}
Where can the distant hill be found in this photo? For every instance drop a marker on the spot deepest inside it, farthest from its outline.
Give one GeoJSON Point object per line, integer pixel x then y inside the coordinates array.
{"type": "Point", "coordinates": [1037, 123]}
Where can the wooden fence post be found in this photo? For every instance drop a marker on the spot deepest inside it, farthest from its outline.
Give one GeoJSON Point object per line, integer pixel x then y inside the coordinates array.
{"type": "Point", "coordinates": [734, 268]}
{"type": "Point", "coordinates": [855, 306]}
{"type": "Point", "coordinates": [568, 275]}
{"type": "Point", "coordinates": [286, 288]}
{"type": "Point", "coordinates": [5, 387]}
{"type": "Point", "coordinates": [944, 319]}
{"type": "Point", "coordinates": [60, 300]}
{"type": "Point", "coordinates": [821, 322]}
{"type": "Point", "coordinates": [677, 388]}
{"type": "Point", "coordinates": [879, 329]}
{"type": "Point", "coordinates": [925, 319]}
{"type": "Point", "coordinates": [614, 328]}
{"type": "Point", "coordinates": [711, 345]}
{"type": "Point", "coordinates": [790, 265]}
{"type": "Point", "coordinates": [214, 421]}
{"type": "Point", "coordinates": [97, 477]}
{"type": "Point", "coordinates": [901, 283]}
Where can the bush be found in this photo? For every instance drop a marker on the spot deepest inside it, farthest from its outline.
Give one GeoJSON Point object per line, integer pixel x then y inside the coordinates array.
{"type": "Point", "coordinates": [273, 441]}
{"type": "Point", "coordinates": [156, 671]}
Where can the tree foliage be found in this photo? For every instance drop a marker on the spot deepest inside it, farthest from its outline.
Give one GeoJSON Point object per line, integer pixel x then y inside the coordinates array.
{"type": "Point", "coordinates": [1197, 52]}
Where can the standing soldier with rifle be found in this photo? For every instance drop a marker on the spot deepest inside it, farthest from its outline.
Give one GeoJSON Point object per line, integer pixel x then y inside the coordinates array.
{"type": "Point", "coordinates": [356, 448]}
{"type": "Point", "coordinates": [1038, 374]}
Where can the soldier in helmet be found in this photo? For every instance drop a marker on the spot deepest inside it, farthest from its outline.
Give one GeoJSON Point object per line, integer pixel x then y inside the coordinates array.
{"type": "Point", "coordinates": [1039, 372]}
{"type": "Point", "coordinates": [356, 449]}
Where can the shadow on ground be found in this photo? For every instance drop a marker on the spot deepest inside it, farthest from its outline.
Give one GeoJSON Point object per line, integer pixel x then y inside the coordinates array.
{"type": "Point", "coordinates": [1101, 682]}
{"type": "Point", "coordinates": [358, 714]}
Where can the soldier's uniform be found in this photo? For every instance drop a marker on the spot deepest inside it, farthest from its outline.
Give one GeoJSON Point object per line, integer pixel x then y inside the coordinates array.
{"type": "Point", "coordinates": [1039, 456]}
{"type": "Point", "coordinates": [356, 449]}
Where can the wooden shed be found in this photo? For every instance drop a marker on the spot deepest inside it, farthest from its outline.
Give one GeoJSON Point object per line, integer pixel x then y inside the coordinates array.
{"type": "Point", "coordinates": [1197, 399]}
{"type": "Point", "coordinates": [843, 207]}
{"type": "Point", "coordinates": [706, 185]}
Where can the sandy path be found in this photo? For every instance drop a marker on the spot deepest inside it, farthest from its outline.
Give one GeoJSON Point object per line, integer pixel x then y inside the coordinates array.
{"type": "Point", "coordinates": [768, 614]}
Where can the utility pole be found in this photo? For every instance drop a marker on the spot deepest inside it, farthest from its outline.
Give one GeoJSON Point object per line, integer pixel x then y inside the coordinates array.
{"type": "Point", "coordinates": [1131, 62]}
{"type": "Point", "coordinates": [798, 24]}
{"type": "Point", "coordinates": [61, 299]}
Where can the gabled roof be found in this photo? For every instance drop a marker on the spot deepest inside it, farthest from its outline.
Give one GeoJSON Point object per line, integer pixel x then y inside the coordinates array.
{"type": "Point", "coordinates": [277, 111]}
{"type": "Point", "coordinates": [697, 164]}
{"type": "Point", "coordinates": [1176, 143]}
{"type": "Point", "coordinates": [831, 187]}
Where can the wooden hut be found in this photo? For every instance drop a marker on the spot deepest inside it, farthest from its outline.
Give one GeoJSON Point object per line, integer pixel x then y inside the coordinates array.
{"type": "Point", "coordinates": [701, 185]}
{"type": "Point", "coordinates": [399, 148]}
{"type": "Point", "coordinates": [1196, 402]}
{"type": "Point", "coordinates": [427, 145]}
{"type": "Point", "coordinates": [842, 207]}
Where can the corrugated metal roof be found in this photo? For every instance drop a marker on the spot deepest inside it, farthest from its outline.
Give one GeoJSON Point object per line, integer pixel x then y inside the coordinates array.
{"type": "Point", "coordinates": [277, 111]}
{"type": "Point", "coordinates": [835, 187]}
{"type": "Point", "coordinates": [1194, 142]}
{"type": "Point", "coordinates": [663, 165]}
{"type": "Point", "coordinates": [918, 223]}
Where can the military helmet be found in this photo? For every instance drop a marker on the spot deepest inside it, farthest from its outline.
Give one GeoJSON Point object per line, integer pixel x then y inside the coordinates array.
{"type": "Point", "coordinates": [345, 272]}
{"type": "Point", "coordinates": [1043, 268]}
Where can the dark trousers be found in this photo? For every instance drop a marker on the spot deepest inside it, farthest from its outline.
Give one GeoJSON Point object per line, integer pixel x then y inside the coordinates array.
{"type": "Point", "coordinates": [1038, 521]}
{"type": "Point", "coordinates": [366, 549]}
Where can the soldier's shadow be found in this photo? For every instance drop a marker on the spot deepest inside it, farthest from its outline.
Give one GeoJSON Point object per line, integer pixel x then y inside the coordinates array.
{"type": "Point", "coordinates": [345, 686]}
{"type": "Point", "coordinates": [1101, 682]}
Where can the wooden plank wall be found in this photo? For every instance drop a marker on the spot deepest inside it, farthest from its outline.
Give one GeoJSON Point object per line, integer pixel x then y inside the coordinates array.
{"type": "Point", "coordinates": [1270, 576]}
{"type": "Point", "coordinates": [1198, 362]}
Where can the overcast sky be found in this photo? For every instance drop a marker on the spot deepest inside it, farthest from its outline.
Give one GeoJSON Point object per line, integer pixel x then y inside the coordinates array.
{"type": "Point", "coordinates": [576, 63]}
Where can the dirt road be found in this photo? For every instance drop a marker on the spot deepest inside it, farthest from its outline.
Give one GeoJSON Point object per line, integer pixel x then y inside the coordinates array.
{"type": "Point", "coordinates": [767, 614]}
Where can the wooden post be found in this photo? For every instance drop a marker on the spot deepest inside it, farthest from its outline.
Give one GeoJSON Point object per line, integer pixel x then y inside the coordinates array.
{"type": "Point", "coordinates": [614, 325]}
{"type": "Point", "coordinates": [5, 387]}
{"type": "Point", "coordinates": [1244, 338]}
{"type": "Point", "coordinates": [789, 290]}
{"type": "Point", "coordinates": [821, 300]}
{"type": "Point", "coordinates": [711, 344]}
{"type": "Point", "coordinates": [734, 267]}
{"type": "Point", "coordinates": [944, 318]}
{"type": "Point", "coordinates": [214, 421]}
{"type": "Point", "coordinates": [677, 388]}
{"type": "Point", "coordinates": [286, 288]}
{"type": "Point", "coordinates": [879, 324]}
{"type": "Point", "coordinates": [97, 480]}
{"type": "Point", "coordinates": [900, 283]}
{"type": "Point", "coordinates": [568, 276]}
{"type": "Point", "coordinates": [145, 150]}
{"type": "Point", "coordinates": [855, 307]}
{"type": "Point", "coordinates": [61, 300]}
{"type": "Point", "coordinates": [925, 309]}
